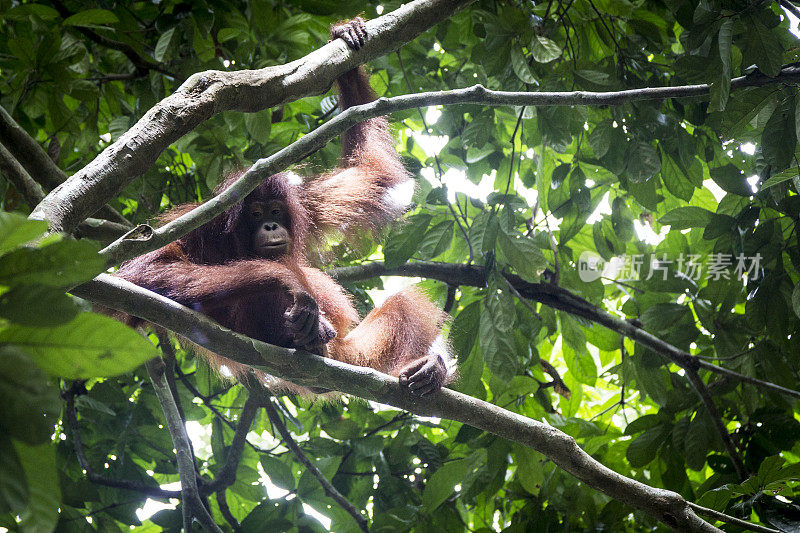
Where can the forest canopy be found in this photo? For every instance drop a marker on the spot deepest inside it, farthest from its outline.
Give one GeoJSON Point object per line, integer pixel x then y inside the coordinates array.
{"type": "Point", "coordinates": [607, 195]}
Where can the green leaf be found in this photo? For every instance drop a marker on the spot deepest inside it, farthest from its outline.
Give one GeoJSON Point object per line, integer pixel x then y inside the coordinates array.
{"type": "Point", "coordinates": [258, 125]}
{"type": "Point", "coordinates": [14, 494]}
{"type": "Point", "coordinates": [530, 472]}
{"type": "Point", "coordinates": [202, 44]}
{"type": "Point", "coordinates": [796, 299]}
{"type": "Point", "coordinates": [483, 231]}
{"type": "Point", "coordinates": [31, 402]}
{"type": "Point", "coordinates": [226, 34]}
{"type": "Point", "coordinates": [61, 264]}
{"type": "Point", "coordinates": [778, 139]}
{"type": "Point", "coordinates": [16, 229]}
{"type": "Point", "coordinates": [465, 330]}
{"type": "Point", "coordinates": [402, 244]}
{"type": "Point", "coordinates": [41, 475]}
{"type": "Point", "coordinates": [475, 154]}
{"type": "Point", "coordinates": [697, 441]}
{"type": "Point", "coordinates": [725, 39]}
{"type": "Point", "coordinates": [721, 89]}
{"type": "Point", "coordinates": [91, 18]}
{"type": "Point", "coordinates": [775, 179]}
{"type": "Point", "coordinates": [308, 486]}
{"type": "Point", "coordinates": [37, 305]}
{"type": "Point", "coordinates": [544, 50]}
{"type": "Point", "coordinates": [686, 217]}
{"type": "Point", "coordinates": [437, 240]}
{"type": "Point", "coordinates": [643, 162]}
{"type": "Point", "coordinates": [642, 450]}
{"type": "Point", "coordinates": [522, 254]}
{"type": "Point", "coordinates": [117, 127]}
{"type": "Point", "coordinates": [163, 45]}
{"type": "Point", "coordinates": [21, 12]}
{"type": "Point", "coordinates": [581, 364]}
{"type": "Point", "coordinates": [442, 483]}
{"type": "Point", "coordinates": [497, 347]}
{"type": "Point", "coordinates": [764, 47]}
{"type": "Point", "coordinates": [731, 180]}
{"type": "Point", "coordinates": [601, 137]}
{"type": "Point", "coordinates": [520, 65]}
{"type": "Point", "coordinates": [279, 473]}
{"type": "Point", "coordinates": [674, 179]}
{"type": "Point", "coordinates": [90, 346]}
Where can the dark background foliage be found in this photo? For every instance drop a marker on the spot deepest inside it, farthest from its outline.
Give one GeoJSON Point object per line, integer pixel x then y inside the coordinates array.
{"type": "Point", "coordinates": [514, 189]}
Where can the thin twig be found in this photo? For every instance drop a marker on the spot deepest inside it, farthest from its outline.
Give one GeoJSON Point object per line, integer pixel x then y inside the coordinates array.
{"type": "Point", "coordinates": [439, 173]}
{"type": "Point", "coordinates": [290, 443]}
{"type": "Point", "coordinates": [722, 517]}
{"type": "Point", "coordinates": [52, 208]}
{"type": "Point", "coordinates": [227, 475]}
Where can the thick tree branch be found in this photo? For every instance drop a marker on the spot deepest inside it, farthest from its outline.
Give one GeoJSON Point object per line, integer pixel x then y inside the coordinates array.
{"type": "Point", "coordinates": [148, 239]}
{"type": "Point", "coordinates": [31, 191]}
{"type": "Point", "coordinates": [208, 93]}
{"type": "Point", "coordinates": [552, 296]}
{"type": "Point", "coordinates": [307, 369]}
{"type": "Point", "coordinates": [29, 153]}
{"type": "Point", "coordinates": [70, 412]}
{"type": "Point", "coordinates": [38, 164]}
{"type": "Point", "coordinates": [92, 228]}
{"type": "Point", "coordinates": [327, 486]}
{"type": "Point", "coordinates": [192, 504]}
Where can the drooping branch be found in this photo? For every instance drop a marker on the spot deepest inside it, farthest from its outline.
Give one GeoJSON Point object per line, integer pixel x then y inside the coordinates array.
{"type": "Point", "coordinates": [150, 239]}
{"type": "Point", "coordinates": [555, 297]}
{"type": "Point", "coordinates": [327, 486]}
{"type": "Point", "coordinates": [307, 369]}
{"type": "Point", "coordinates": [227, 475]}
{"type": "Point", "coordinates": [559, 298]}
{"type": "Point", "coordinates": [208, 93]}
{"type": "Point", "coordinates": [190, 496]}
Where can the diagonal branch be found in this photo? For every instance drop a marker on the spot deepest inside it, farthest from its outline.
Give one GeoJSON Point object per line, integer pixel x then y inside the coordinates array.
{"type": "Point", "coordinates": [227, 475]}
{"type": "Point", "coordinates": [559, 298]}
{"type": "Point", "coordinates": [290, 443]}
{"type": "Point", "coordinates": [307, 369]}
{"type": "Point", "coordinates": [93, 228]}
{"type": "Point", "coordinates": [192, 504]}
{"type": "Point", "coordinates": [38, 164]}
{"type": "Point", "coordinates": [127, 248]}
{"type": "Point", "coordinates": [142, 63]}
{"type": "Point", "coordinates": [208, 93]}
{"type": "Point", "coordinates": [552, 296]}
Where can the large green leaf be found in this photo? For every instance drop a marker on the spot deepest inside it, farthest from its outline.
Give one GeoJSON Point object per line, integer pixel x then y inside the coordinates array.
{"type": "Point", "coordinates": [37, 305]}
{"type": "Point", "coordinates": [41, 475]}
{"type": "Point", "coordinates": [31, 401]}
{"type": "Point", "coordinates": [404, 243]}
{"type": "Point", "coordinates": [61, 264]}
{"type": "Point", "coordinates": [522, 254]}
{"type": "Point", "coordinates": [16, 229]}
{"type": "Point", "coordinates": [90, 346]}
